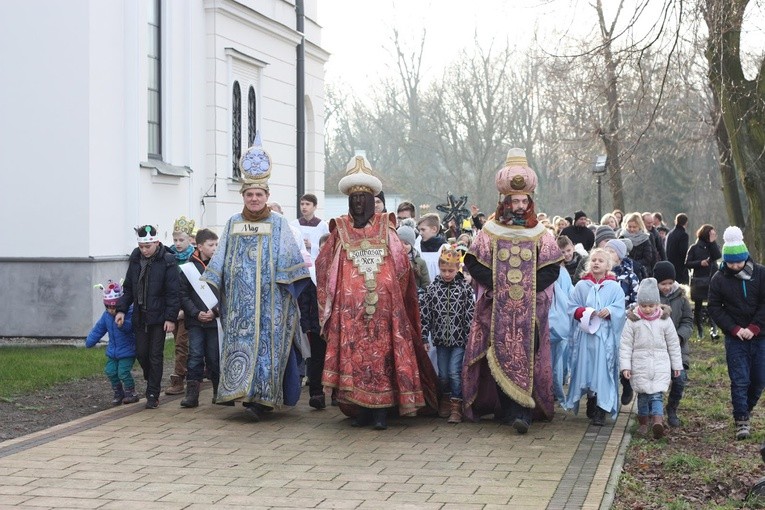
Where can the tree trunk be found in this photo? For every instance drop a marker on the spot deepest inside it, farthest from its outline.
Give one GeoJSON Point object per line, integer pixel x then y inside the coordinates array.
{"type": "Point", "coordinates": [742, 105]}
{"type": "Point", "coordinates": [727, 173]}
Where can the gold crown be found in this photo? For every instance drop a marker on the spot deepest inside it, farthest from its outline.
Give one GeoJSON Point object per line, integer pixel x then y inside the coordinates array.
{"type": "Point", "coordinates": [183, 224]}
{"type": "Point", "coordinates": [449, 256]}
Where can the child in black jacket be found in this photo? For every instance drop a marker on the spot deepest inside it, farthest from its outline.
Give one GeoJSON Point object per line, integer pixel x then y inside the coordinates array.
{"type": "Point", "coordinates": [151, 286]}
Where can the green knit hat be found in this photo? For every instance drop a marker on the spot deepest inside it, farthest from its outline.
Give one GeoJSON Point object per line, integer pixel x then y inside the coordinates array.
{"type": "Point", "coordinates": [734, 249]}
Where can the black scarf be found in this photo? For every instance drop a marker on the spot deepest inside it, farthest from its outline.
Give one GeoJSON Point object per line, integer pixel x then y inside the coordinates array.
{"type": "Point", "coordinates": [142, 292]}
{"type": "Point", "coordinates": [369, 211]}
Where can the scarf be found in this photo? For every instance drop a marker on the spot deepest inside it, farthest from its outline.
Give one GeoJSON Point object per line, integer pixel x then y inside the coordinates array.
{"type": "Point", "coordinates": [256, 216]}
{"type": "Point", "coordinates": [183, 256]}
{"type": "Point", "coordinates": [142, 291]}
{"type": "Point", "coordinates": [637, 238]}
{"type": "Point", "coordinates": [747, 272]}
{"type": "Point", "coordinates": [655, 315]}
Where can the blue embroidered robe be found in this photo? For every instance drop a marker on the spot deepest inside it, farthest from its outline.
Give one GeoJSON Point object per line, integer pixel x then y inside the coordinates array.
{"type": "Point", "coordinates": [259, 272]}
{"type": "Point", "coordinates": [595, 357]}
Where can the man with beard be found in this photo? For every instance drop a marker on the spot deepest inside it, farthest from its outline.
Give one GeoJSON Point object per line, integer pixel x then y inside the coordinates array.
{"type": "Point", "coordinates": [507, 368]}
{"type": "Point", "coordinates": [368, 311]}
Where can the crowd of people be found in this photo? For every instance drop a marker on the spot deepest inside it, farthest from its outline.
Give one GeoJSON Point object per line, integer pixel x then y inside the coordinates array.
{"type": "Point", "coordinates": [507, 315]}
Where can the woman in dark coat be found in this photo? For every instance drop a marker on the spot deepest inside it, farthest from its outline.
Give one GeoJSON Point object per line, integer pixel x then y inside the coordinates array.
{"type": "Point", "coordinates": [702, 259]}
{"type": "Point", "coordinates": [643, 250]}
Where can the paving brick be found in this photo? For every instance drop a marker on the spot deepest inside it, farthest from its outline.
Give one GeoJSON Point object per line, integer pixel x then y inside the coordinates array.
{"type": "Point", "coordinates": [59, 502]}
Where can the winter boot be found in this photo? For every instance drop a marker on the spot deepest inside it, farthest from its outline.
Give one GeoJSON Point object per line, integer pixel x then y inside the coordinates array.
{"type": "Point", "coordinates": [627, 392]}
{"type": "Point", "coordinates": [363, 417]}
{"type": "Point", "coordinates": [456, 413]}
{"type": "Point", "coordinates": [444, 406]}
{"type": "Point", "coordinates": [599, 417]}
{"type": "Point", "coordinates": [176, 385]}
{"type": "Point", "coordinates": [119, 394]}
{"type": "Point", "coordinates": [318, 401]}
{"type": "Point", "coordinates": [192, 394]}
{"type": "Point", "coordinates": [742, 429]}
{"type": "Point", "coordinates": [657, 426]}
{"type": "Point", "coordinates": [592, 404]}
{"type": "Point", "coordinates": [642, 429]}
{"type": "Point", "coordinates": [380, 418]}
{"type": "Point", "coordinates": [672, 419]}
{"type": "Point", "coordinates": [131, 397]}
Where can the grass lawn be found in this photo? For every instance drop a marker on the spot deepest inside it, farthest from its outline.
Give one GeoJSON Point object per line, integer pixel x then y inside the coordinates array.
{"type": "Point", "coordinates": [27, 369]}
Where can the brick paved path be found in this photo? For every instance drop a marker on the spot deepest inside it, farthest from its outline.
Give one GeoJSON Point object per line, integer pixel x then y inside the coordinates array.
{"type": "Point", "coordinates": [216, 456]}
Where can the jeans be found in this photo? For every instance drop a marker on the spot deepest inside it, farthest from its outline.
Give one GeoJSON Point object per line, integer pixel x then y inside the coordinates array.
{"type": "Point", "coordinates": [315, 364]}
{"type": "Point", "coordinates": [677, 388]}
{"type": "Point", "coordinates": [650, 404]}
{"type": "Point", "coordinates": [150, 350]}
{"type": "Point", "coordinates": [746, 369]}
{"type": "Point", "coordinates": [118, 371]}
{"type": "Point", "coordinates": [450, 369]}
{"type": "Point", "coordinates": [203, 350]}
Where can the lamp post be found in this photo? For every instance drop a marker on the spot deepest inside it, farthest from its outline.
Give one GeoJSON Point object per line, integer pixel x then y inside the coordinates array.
{"type": "Point", "coordinates": [599, 168]}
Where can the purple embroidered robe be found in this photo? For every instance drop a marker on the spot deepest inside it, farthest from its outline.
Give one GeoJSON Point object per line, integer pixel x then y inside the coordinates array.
{"type": "Point", "coordinates": [500, 347]}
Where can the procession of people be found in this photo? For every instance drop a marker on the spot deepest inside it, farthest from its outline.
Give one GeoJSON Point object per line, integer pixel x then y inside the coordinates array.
{"type": "Point", "coordinates": [467, 317]}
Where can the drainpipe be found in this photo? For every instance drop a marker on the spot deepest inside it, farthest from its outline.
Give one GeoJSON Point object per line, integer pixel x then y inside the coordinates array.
{"type": "Point", "coordinates": [300, 91]}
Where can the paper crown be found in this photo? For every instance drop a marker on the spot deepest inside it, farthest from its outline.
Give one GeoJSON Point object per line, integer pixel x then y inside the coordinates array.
{"type": "Point", "coordinates": [185, 225]}
{"type": "Point", "coordinates": [358, 177]}
{"type": "Point", "coordinates": [255, 166]}
{"type": "Point", "coordinates": [450, 256]}
{"type": "Point", "coordinates": [112, 292]}
{"type": "Point", "coordinates": [590, 321]}
{"type": "Point", "coordinates": [516, 177]}
{"type": "Point", "coordinates": [144, 234]}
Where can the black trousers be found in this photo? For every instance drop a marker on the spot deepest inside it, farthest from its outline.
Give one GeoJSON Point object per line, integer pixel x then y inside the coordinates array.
{"type": "Point", "coordinates": [315, 364]}
{"type": "Point", "coordinates": [150, 350]}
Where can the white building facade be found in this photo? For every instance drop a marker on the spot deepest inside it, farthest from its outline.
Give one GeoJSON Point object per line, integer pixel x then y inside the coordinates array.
{"type": "Point", "coordinates": [117, 113]}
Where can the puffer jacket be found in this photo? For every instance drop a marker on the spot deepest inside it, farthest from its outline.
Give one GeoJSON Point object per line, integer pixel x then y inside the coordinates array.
{"type": "Point", "coordinates": [682, 317]}
{"type": "Point", "coordinates": [735, 303]}
{"type": "Point", "coordinates": [163, 300]}
{"type": "Point", "coordinates": [121, 340]}
{"type": "Point", "coordinates": [650, 350]}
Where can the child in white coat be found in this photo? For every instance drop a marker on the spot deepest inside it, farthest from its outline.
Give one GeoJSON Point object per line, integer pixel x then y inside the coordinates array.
{"type": "Point", "coordinates": [648, 354]}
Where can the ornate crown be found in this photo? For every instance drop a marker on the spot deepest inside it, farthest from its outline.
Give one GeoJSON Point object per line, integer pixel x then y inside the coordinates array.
{"type": "Point", "coordinates": [516, 177]}
{"type": "Point", "coordinates": [112, 292]}
{"type": "Point", "coordinates": [185, 225]}
{"type": "Point", "coordinates": [359, 177]}
{"type": "Point", "coordinates": [255, 166]}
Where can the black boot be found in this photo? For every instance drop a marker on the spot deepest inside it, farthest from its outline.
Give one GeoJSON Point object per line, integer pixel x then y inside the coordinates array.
{"type": "Point", "coordinates": [119, 394]}
{"type": "Point", "coordinates": [592, 404]}
{"type": "Point", "coordinates": [380, 417]}
{"type": "Point", "coordinates": [363, 418]}
{"type": "Point", "coordinates": [192, 394]}
{"type": "Point", "coordinates": [627, 392]}
{"type": "Point", "coordinates": [599, 418]}
{"type": "Point", "coordinates": [672, 419]}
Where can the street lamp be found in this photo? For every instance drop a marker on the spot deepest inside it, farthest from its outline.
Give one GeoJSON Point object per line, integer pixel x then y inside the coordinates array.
{"type": "Point", "coordinates": [599, 168]}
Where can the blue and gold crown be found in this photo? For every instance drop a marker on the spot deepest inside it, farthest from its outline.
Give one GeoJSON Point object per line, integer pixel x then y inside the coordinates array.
{"type": "Point", "coordinates": [255, 166]}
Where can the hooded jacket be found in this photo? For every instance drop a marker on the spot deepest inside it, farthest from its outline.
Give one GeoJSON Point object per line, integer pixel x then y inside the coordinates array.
{"type": "Point", "coordinates": [735, 303]}
{"type": "Point", "coordinates": [682, 317]}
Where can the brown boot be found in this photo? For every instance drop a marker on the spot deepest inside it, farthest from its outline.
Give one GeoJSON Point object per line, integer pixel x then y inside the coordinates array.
{"type": "Point", "coordinates": [657, 426]}
{"type": "Point", "coordinates": [444, 407]}
{"type": "Point", "coordinates": [176, 385]}
{"type": "Point", "coordinates": [642, 426]}
{"type": "Point", "coordinates": [456, 411]}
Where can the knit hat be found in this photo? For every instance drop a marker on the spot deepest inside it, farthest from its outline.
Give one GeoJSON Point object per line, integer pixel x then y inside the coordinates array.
{"type": "Point", "coordinates": [618, 246]}
{"type": "Point", "coordinates": [381, 196]}
{"type": "Point", "coordinates": [664, 270]}
{"type": "Point", "coordinates": [112, 292]}
{"type": "Point", "coordinates": [648, 292]}
{"type": "Point", "coordinates": [406, 234]}
{"type": "Point", "coordinates": [579, 214]}
{"type": "Point", "coordinates": [604, 233]}
{"type": "Point", "coordinates": [734, 249]}
{"type": "Point", "coordinates": [627, 243]}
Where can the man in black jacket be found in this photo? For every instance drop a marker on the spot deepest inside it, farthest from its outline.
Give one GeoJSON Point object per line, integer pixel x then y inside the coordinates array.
{"type": "Point", "coordinates": [151, 286]}
{"type": "Point", "coordinates": [737, 305]}
{"type": "Point", "coordinates": [578, 231]}
{"type": "Point", "coordinates": [677, 248]}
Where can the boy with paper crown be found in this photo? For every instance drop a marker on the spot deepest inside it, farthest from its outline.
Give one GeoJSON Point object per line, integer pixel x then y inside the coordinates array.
{"type": "Point", "coordinates": [737, 306]}
{"type": "Point", "coordinates": [649, 355]}
{"type": "Point", "coordinates": [120, 351]}
{"type": "Point", "coordinates": [447, 309]}
{"type": "Point", "coordinates": [151, 287]}
{"type": "Point", "coordinates": [182, 248]}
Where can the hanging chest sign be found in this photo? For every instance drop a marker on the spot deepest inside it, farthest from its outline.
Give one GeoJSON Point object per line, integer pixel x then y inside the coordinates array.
{"type": "Point", "coordinates": [367, 260]}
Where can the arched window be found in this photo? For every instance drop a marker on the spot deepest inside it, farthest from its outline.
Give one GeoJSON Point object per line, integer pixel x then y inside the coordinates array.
{"type": "Point", "coordinates": [236, 128]}
{"type": "Point", "coordinates": [251, 123]}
